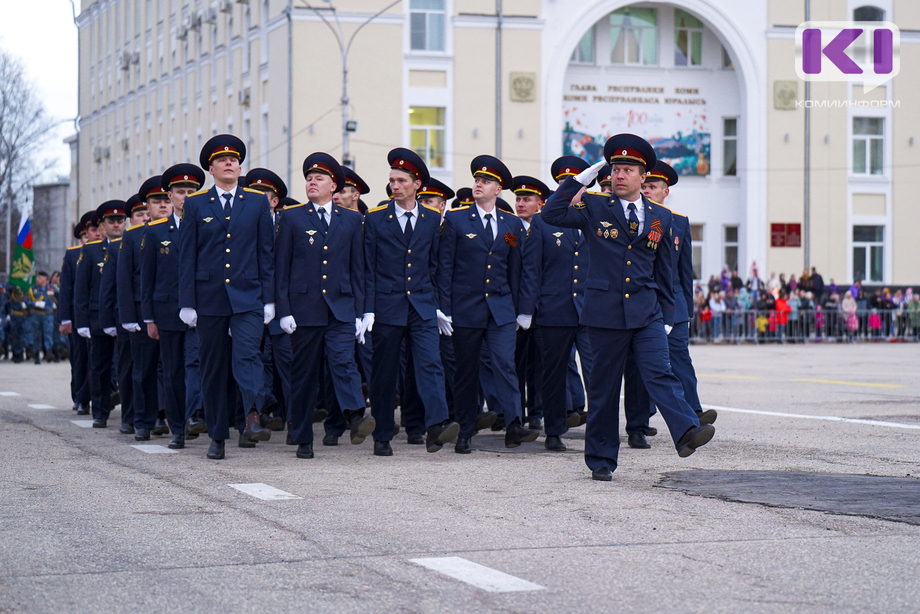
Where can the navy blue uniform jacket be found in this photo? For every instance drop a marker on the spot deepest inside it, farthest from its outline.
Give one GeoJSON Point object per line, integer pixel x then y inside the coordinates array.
{"type": "Point", "coordinates": [86, 285]}
{"type": "Point", "coordinates": [68, 277]}
{"type": "Point", "coordinates": [629, 283]}
{"type": "Point", "coordinates": [160, 275]}
{"type": "Point", "coordinates": [400, 273]}
{"type": "Point", "coordinates": [128, 275]}
{"type": "Point", "coordinates": [108, 298]}
{"type": "Point", "coordinates": [315, 270]}
{"type": "Point", "coordinates": [227, 266]}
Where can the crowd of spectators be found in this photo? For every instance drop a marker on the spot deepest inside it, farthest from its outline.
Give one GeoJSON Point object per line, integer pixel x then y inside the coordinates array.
{"type": "Point", "coordinates": [801, 309]}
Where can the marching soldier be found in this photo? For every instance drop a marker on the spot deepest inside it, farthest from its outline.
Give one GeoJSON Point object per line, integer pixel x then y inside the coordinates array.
{"type": "Point", "coordinates": [464, 198]}
{"type": "Point", "coordinates": [110, 218]}
{"type": "Point", "coordinates": [41, 305]}
{"type": "Point", "coordinates": [21, 329]}
{"type": "Point", "coordinates": [629, 300]}
{"type": "Point", "coordinates": [479, 273]}
{"type": "Point", "coordinates": [400, 247]}
{"type": "Point", "coordinates": [78, 349]}
{"type": "Point", "coordinates": [349, 196]}
{"type": "Point", "coordinates": [552, 293]}
{"type": "Point", "coordinates": [226, 282]}
{"type": "Point", "coordinates": [529, 196]}
{"type": "Point", "coordinates": [319, 264]}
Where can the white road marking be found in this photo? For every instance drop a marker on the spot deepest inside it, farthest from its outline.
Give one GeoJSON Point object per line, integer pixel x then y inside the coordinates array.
{"type": "Point", "coordinates": [87, 424]}
{"type": "Point", "coordinates": [264, 492]}
{"type": "Point", "coordinates": [152, 448]}
{"type": "Point", "coordinates": [41, 406]}
{"type": "Point", "coordinates": [480, 576]}
{"type": "Point", "coordinates": [9, 393]}
{"type": "Point", "coordinates": [897, 425]}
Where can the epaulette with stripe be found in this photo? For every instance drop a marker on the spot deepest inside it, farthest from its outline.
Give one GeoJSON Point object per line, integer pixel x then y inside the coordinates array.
{"type": "Point", "coordinates": [286, 207]}
{"type": "Point", "coordinates": [94, 242]}
{"type": "Point", "coordinates": [253, 191]}
{"type": "Point", "coordinates": [604, 194]}
{"type": "Point", "coordinates": [464, 208]}
{"type": "Point", "coordinates": [135, 227]}
{"type": "Point", "coordinates": [380, 208]}
{"type": "Point", "coordinates": [349, 210]}
{"type": "Point", "coordinates": [199, 192]}
{"type": "Point", "coordinates": [159, 221]}
{"type": "Point", "coordinates": [430, 208]}
{"type": "Point", "coordinates": [70, 249]}
{"type": "Point", "coordinates": [508, 212]}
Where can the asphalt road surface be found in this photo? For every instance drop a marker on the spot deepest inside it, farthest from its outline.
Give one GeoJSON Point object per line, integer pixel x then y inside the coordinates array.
{"type": "Point", "coordinates": [777, 514]}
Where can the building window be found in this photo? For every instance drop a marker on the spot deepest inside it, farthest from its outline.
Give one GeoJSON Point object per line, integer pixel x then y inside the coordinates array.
{"type": "Point", "coordinates": [730, 147]}
{"type": "Point", "coordinates": [584, 52]}
{"type": "Point", "coordinates": [868, 253]}
{"type": "Point", "coordinates": [688, 39]}
{"type": "Point", "coordinates": [427, 134]}
{"type": "Point", "coordinates": [727, 59]}
{"type": "Point", "coordinates": [634, 36]}
{"type": "Point", "coordinates": [696, 235]}
{"type": "Point", "coordinates": [868, 13]}
{"type": "Point", "coordinates": [426, 18]}
{"type": "Point", "coordinates": [867, 145]}
{"type": "Point", "coordinates": [730, 248]}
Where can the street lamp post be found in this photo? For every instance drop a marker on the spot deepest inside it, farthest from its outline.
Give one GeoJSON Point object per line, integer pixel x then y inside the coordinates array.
{"type": "Point", "coordinates": [344, 48]}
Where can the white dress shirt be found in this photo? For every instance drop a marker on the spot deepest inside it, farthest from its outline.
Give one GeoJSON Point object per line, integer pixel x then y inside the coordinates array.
{"type": "Point", "coordinates": [402, 216]}
{"type": "Point", "coordinates": [220, 196]}
{"type": "Point", "coordinates": [482, 216]}
{"type": "Point", "coordinates": [328, 209]}
{"type": "Point", "coordinates": [640, 212]}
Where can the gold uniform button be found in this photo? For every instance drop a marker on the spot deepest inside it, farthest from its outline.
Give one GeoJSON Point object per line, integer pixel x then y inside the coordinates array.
{"type": "Point", "coordinates": [487, 281]}
{"type": "Point", "coordinates": [227, 281]}
{"type": "Point", "coordinates": [489, 266]}
{"type": "Point", "coordinates": [408, 279]}
{"type": "Point", "coordinates": [410, 251]}
{"type": "Point", "coordinates": [574, 294]}
{"type": "Point", "coordinates": [629, 247]}
{"type": "Point", "coordinates": [576, 253]}
{"type": "Point", "coordinates": [487, 295]}
{"type": "Point", "coordinates": [324, 277]}
{"type": "Point", "coordinates": [576, 281]}
{"type": "Point", "coordinates": [409, 265]}
{"type": "Point", "coordinates": [628, 262]}
{"type": "Point", "coordinates": [627, 280]}
{"type": "Point", "coordinates": [324, 291]}
{"type": "Point", "coordinates": [228, 250]}
{"type": "Point", "coordinates": [228, 235]}
{"type": "Point", "coordinates": [324, 262]}
{"type": "Point", "coordinates": [325, 247]}
{"type": "Point", "coordinates": [408, 292]}
{"type": "Point", "coordinates": [576, 267]}
{"type": "Point", "coordinates": [627, 296]}
{"type": "Point", "coordinates": [227, 265]}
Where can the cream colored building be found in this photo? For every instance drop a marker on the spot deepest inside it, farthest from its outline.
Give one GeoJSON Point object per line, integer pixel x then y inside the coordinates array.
{"type": "Point", "coordinates": [707, 81]}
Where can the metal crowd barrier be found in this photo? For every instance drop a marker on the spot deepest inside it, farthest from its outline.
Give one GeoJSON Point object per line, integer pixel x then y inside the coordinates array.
{"type": "Point", "coordinates": [806, 326]}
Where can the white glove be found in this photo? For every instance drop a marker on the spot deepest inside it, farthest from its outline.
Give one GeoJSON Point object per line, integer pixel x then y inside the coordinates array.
{"type": "Point", "coordinates": [189, 316]}
{"type": "Point", "coordinates": [132, 327]}
{"type": "Point", "coordinates": [111, 332]}
{"type": "Point", "coordinates": [269, 311]}
{"type": "Point", "coordinates": [359, 329]}
{"type": "Point", "coordinates": [668, 329]}
{"type": "Point", "coordinates": [288, 324]}
{"type": "Point", "coordinates": [524, 321]}
{"type": "Point", "coordinates": [368, 322]}
{"type": "Point", "coordinates": [39, 304]}
{"type": "Point", "coordinates": [445, 324]}
{"type": "Point", "coordinates": [588, 175]}
{"type": "Point", "coordinates": [84, 332]}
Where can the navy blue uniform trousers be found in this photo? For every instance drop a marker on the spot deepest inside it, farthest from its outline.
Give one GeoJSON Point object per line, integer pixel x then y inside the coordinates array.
{"type": "Point", "coordinates": [79, 368]}
{"type": "Point", "coordinates": [172, 355]}
{"type": "Point", "coordinates": [145, 353]}
{"type": "Point", "coordinates": [193, 406]}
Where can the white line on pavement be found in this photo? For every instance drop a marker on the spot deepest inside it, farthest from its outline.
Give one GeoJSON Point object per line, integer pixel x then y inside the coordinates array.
{"type": "Point", "coordinates": [897, 425]}
{"type": "Point", "coordinates": [480, 576]}
{"type": "Point", "coordinates": [87, 424]}
{"type": "Point", "coordinates": [9, 393]}
{"type": "Point", "coordinates": [41, 406]}
{"type": "Point", "coordinates": [152, 448]}
{"type": "Point", "coordinates": [264, 492]}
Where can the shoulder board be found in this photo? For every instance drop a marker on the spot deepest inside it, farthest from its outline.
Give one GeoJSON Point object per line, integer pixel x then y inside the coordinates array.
{"type": "Point", "coordinates": [349, 210]}
{"type": "Point", "coordinates": [250, 190]}
{"type": "Point", "coordinates": [380, 208]}
{"type": "Point", "coordinates": [432, 209]}
{"type": "Point", "coordinates": [199, 192]}
{"type": "Point", "coordinates": [286, 207]}
{"type": "Point", "coordinates": [464, 208]}
{"type": "Point", "coordinates": [508, 212]}
{"type": "Point", "coordinates": [94, 242]}
{"type": "Point", "coordinates": [136, 227]}
{"type": "Point", "coordinates": [70, 249]}
{"type": "Point", "coordinates": [118, 240]}
{"type": "Point", "coordinates": [676, 213]}
{"type": "Point", "coordinates": [159, 221]}
{"type": "Point", "coordinates": [603, 194]}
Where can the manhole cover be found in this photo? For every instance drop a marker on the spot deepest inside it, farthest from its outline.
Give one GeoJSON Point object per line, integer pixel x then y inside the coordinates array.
{"type": "Point", "coordinates": [887, 498]}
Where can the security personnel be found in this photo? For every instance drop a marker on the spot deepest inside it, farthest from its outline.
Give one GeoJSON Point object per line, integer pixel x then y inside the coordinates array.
{"type": "Point", "coordinates": [464, 198]}
{"type": "Point", "coordinates": [159, 287]}
{"type": "Point", "coordinates": [479, 274]}
{"type": "Point", "coordinates": [564, 167]}
{"type": "Point", "coordinates": [110, 317]}
{"type": "Point", "coordinates": [629, 300]}
{"type": "Point", "coordinates": [41, 305]}
{"type": "Point", "coordinates": [78, 348]}
{"type": "Point", "coordinates": [21, 329]}
{"type": "Point", "coordinates": [552, 297]}
{"type": "Point", "coordinates": [226, 281]}
{"type": "Point", "coordinates": [276, 344]}
{"type": "Point", "coordinates": [319, 265]}
{"type": "Point", "coordinates": [145, 351]}
{"type": "Point", "coordinates": [110, 217]}
{"type": "Point", "coordinates": [349, 196]}
{"type": "Point", "coordinates": [657, 188]}
{"type": "Point", "coordinates": [401, 303]}
{"type": "Point", "coordinates": [434, 195]}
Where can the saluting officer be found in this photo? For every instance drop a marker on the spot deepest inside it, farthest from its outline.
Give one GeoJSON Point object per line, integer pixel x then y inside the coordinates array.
{"type": "Point", "coordinates": [79, 350]}
{"type": "Point", "coordinates": [629, 300]}
{"type": "Point", "coordinates": [226, 281]}
{"type": "Point", "coordinates": [552, 294]}
{"type": "Point", "coordinates": [110, 217]}
{"type": "Point", "coordinates": [319, 265]}
{"type": "Point", "coordinates": [479, 274]}
{"type": "Point", "coordinates": [159, 304]}
{"type": "Point", "coordinates": [400, 248]}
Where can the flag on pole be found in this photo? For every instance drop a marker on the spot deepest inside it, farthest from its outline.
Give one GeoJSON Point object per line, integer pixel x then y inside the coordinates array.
{"type": "Point", "coordinates": [23, 267]}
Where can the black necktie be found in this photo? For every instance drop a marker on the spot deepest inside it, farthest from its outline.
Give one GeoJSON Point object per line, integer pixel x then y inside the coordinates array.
{"type": "Point", "coordinates": [489, 234]}
{"type": "Point", "coordinates": [227, 198]}
{"type": "Point", "coordinates": [407, 231]}
{"type": "Point", "coordinates": [633, 219]}
{"type": "Point", "coordinates": [322, 219]}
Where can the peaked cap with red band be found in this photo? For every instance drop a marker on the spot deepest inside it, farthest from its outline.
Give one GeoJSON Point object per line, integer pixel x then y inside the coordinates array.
{"type": "Point", "coordinates": [403, 159]}
{"type": "Point", "coordinates": [221, 145]}
{"type": "Point", "coordinates": [264, 179]}
{"type": "Point", "coordinates": [491, 168]}
{"type": "Point", "coordinates": [435, 188]}
{"type": "Point", "coordinates": [182, 175]}
{"type": "Point", "coordinates": [135, 204]}
{"type": "Point", "coordinates": [663, 172]}
{"type": "Point", "coordinates": [522, 184]}
{"type": "Point", "coordinates": [352, 179]}
{"type": "Point", "coordinates": [324, 163]}
{"type": "Point", "coordinates": [567, 166]}
{"type": "Point", "coordinates": [630, 149]}
{"type": "Point", "coordinates": [110, 208]}
{"type": "Point", "coordinates": [464, 198]}
{"type": "Point", "coordinates": [152, 188]}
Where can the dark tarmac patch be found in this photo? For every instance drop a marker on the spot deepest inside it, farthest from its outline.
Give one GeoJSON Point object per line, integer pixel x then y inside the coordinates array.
{"type": "Point", "coordinates": [886, 498]}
